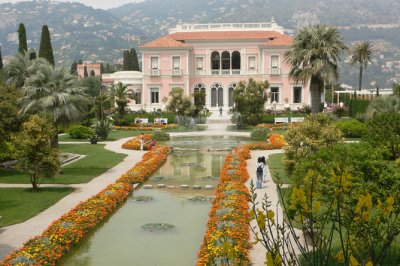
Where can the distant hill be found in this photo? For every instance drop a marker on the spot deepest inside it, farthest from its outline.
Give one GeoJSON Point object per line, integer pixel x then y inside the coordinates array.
{"type": "Point", "coordinates": [77, 31]}
{"type": "Point", "coordinates": [82, 32]}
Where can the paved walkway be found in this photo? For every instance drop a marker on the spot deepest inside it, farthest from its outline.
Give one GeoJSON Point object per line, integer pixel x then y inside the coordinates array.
{"type": "Point", "coordinates": [257, 253]}
{"type": "Point", "coordinates": [13, 237]}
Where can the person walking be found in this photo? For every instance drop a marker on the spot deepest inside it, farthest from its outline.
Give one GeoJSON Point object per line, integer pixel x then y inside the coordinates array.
{"type": "Point", "coordinates": [259, 173]}
{"type": "Point", "coordinates": [264, 163]}
{"type": "Point", "coordinates": [141, 139]}
{"type": "Point", "coordinates": [220, 112]}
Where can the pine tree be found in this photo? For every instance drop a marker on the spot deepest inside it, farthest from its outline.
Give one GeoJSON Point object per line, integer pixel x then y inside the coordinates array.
{"type": "Point", "coordinates": [32, 54]}
{"type": "Point", "coordinates": [92, 73]}
{"type": "Point", "coordinates": [135, 61]}
{"type": "Point", "coordinates": [1, 60]}
{"type": "Point", "coordinates": [23, 46]}
{"type": "Point", "coordinates": [74, 68]}
{"type": "Point", "coordinates": [45, 50]}
{"type": "Point", "coordinates": [85, 72]}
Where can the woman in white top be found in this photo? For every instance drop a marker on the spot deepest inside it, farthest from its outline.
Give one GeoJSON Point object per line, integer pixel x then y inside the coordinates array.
{"type": "Point", "coordinates": [264, 163]}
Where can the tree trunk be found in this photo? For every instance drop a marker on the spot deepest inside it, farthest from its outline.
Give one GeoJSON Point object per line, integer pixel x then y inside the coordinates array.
{"type": "Point", "coordinates": [315, 91]}
{"type": "Point", "coordinates": [360, 77]}
{"type": "Point", "coordinates": [54, 141]}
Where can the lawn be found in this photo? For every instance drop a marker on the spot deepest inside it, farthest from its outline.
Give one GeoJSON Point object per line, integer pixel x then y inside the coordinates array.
{"type": "Point", "coordinates": [276, 167]}
{"type": "Point", "coordinates": [97, 161]}
{"type": "Point", "coordinates": [19, 204]}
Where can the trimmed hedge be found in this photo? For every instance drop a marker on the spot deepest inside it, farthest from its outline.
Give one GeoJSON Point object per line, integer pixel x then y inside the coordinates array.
{"type": "Point", "coordinates": [358, 106]}
{"type": "Point", "coordinates": [352, 128]}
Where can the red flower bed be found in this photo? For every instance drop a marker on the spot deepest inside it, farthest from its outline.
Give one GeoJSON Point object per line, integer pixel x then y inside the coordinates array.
{"type": "Point", "coordinates": [227, 234]}
{"type": "Point", "coordinates": [67, 231]}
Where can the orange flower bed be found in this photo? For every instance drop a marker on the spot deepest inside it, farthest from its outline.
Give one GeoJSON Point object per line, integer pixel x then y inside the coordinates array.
{"type": "Point", "coordinates": [72, 227]}
{"type": "Point", "coordinates": [275, 141]}
{"type": "Point", "coordinates": [227, 234]}
{"type": "Point", "coordinates": [134, 143]}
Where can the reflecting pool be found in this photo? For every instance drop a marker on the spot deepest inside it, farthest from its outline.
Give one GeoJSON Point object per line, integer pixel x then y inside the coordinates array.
{"type": "Point", "coordinates": [122, 240]}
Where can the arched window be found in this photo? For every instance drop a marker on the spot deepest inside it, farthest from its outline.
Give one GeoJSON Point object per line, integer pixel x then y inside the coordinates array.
{"type": "Point", "coordinates": [236, 60]}
{"type": "Point", "coordinates": [215, 61]}
{"type": "Point", "coordinates": [230, 94]}
{"type": "Point", "coordinates": [217, 95]}
{"type": "Point", "coordinates": [199, 94]}
{"type": "Point", "coordinates": [226, 60]}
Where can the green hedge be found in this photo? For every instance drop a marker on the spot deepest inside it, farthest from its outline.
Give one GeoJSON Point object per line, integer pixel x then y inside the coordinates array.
{"type": "Point", "coordinates": [259, 133]}
{"type": "Point", "coordinates": [352, 128]}
{"type": "Point", "coordinates": [79, 132]}
{"type": "Point", "coordinates": [160, 135]}
{"type": "Point", "coordinates": [358, 106]}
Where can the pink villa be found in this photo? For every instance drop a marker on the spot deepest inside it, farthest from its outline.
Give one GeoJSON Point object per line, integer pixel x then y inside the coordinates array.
{"type": "Point", "coordinates": [213, 58]}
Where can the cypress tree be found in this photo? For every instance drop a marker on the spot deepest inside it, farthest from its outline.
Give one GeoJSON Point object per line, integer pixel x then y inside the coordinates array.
{"type": "Point", "coordinates": [101, 68]}
{"type": "Point", "coordinates": [23, 46]}
{"type": "Point", "coordinates": [125, 63]}
{"type": "Point", "coordinates": [32, 54]}
{"type": "Point", "coordinates": [45, 50]}
{"type": "Point", "coordinates": [74, 68]}
{"type": "Point", "coordinates": [108, 68]}
{"type": "Point", "coordinates": [85, 73]}
{"type": "Point", "coordinates": [92, 73]}
{"type": "Point", "coordinates": [135, 61]}
{"type": "Point", "coordinates": [80, 61]}
{"type": "Point", "coordinates": [1, 60]}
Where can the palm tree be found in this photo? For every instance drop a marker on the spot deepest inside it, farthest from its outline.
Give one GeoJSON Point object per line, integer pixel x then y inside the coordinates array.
{"type": "Point", "coordinates": [20, 68]}
{"type": "Point", "coordinates": [361, 54]}
{"type": "Point", "coordinates": [314, 57]}
{"type": "Point", "coordinates": [119, 91]}
{"type": "Point", "coordinates": [54, 94]}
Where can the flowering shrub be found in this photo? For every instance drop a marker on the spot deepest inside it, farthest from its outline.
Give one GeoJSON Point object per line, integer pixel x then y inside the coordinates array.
{"type": "Point", "coordinates": [134, 143]}
{"type": "Point", "coordinates": [275, 141]}
{"type": "Point", "coordinates": [67, 231]}
{"type": "Point", "coordinates": [227, 234]}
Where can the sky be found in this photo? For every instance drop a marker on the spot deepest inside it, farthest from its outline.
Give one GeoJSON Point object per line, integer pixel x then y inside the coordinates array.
{"type": "Point", "coordinates": [94, 3]}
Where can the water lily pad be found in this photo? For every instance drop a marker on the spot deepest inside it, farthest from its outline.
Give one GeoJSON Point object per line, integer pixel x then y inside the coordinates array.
{"type": "Point", "coordinates": [143, 198]}
{"type": "Point", "coordinates": [199, 199]}
{"type": "Point", "coordinates": [157, 227]}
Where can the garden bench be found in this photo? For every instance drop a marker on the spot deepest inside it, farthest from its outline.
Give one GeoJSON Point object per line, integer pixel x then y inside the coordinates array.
{"type": "Point", "coordinates": [162, 121]}
{"type": "Point", "coordinates": [281, 120]}
{"type": "Point", "coordinates": [296, 119]}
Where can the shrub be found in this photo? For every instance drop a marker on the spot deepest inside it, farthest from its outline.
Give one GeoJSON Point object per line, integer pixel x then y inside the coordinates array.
{"type": "Point", "coordinates": [79, 132]}
{"type": "Point", "coordinates": [160, 135]}
{"type": "Point", "coordinates": [102, 128]}
{"type": "Point", "coordinates": [352, 128]}
{"type": "Point", "coordinates": [259, 133]}
{"type": "Point", "coordinates": [358, 106]}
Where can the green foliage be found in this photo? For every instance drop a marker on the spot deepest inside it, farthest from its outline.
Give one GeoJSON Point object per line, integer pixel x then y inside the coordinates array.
{"type": "Point", "coordinates": [314, 57]}
{"type": "Point", "coordinates": [119, 91]}
{"type": "Point", "coordinates": [92, 85]}
{"type": "Point", "coordinates": [33, 151]}
{"type": "Point", "coordinates": [1, 60]}
{"type": "Point", "coordinates": [260, 133]}
{"type": "Point", "coordinates": [32, 54]}
{"type": "Point", "coordinates": [160, 135]}
{"type": "Point", "coordinates": [361, 53]}
{"type": "Point", "coordinates": [130, 62]}
{"type": "Point", "coordinates": [317, 131]}
{"type": "Point", "coordinates": [45, 48]}
{"type": "Point", "coordinates": [179, 104]}
{"type": "Point", "coordinates": [23, 46]}
{"type": "Point", "coordinates": [395, 86]}
{"type": "Point", "coordinates": [85, 72]}
{"type": "Point", "coordinates": [249, 98]}
{"type": "Point", "coordinates": [352, 128]}
{"type": "Point", "coordinates": [384, 132]}
{"type": "Point", "coordinates": [79, 132]}
{"type": "Point", "coordinates": [92, 73]}
{"type": "Point", "coordinates": [358, 106]}
{"type": "Point", "coordinates": [102, 128]}
{"type": "Point", "coordinates": [383, 104]}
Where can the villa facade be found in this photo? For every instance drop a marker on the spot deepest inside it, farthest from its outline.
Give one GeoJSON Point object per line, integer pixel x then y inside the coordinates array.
{"type": "Point", "coordinates": [213, 58]}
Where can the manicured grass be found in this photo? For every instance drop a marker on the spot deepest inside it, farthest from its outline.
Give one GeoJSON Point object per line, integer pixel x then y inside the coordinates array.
{"type": "Point", "coordinates": [276, 167]}
{"type": "Point", "coordinates": [97, 161]}
{"type": "Point", "coordinates": [114, 135]}
{"type": "Point", "coordinates": [19, 204]}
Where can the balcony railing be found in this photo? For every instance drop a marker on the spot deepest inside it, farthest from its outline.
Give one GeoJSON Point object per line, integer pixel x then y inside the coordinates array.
{"type": "Point", "coordinates": [235, 71]}
{"type": "Point", "coordinates": [226, 72]}
{"type": "Point", "coordinates": [215, 72]}
{"type": "Point", "coordinates": [154, 72]}
{"type": "Point", "coordinates": [275, 71]}
{"type": "Point", "coordinates": [176, 72]}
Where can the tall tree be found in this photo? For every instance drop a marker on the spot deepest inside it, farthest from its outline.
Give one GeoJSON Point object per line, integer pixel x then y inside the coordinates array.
{"type": "Point", "coordinates": [134, 59]}
{"type": "Point", "coordinates": [85, 72]}
{"type": "Point", "coordinates": [314, 57]}
{"type": "Point", "coordinates": [23, 46]}
{"type": "Point", "coordinates": [20, 68]}
{"type": "Point", "coordinates": [119, 91]}
{"type": "Point", "coordinates": [74, 68]}
{"type": "Point", "coordinates": [54, 94]}
{"type": "Point", "coordinates": [35, 155]}
{"type": "Point", "coordinates": [32, 54]}
{"type": "Point", "coordinates": [92, 73]}
{"type": "Point", "coordinates": [361, 54]}
{"type": "Point", "coordinates": [1, 60]}
{"type": "Point", "coordinates": [126, 64]}
{"type": "Point", "coordinates": [101, 69]}
{"type": "Point", "coordinates": [45, 49]}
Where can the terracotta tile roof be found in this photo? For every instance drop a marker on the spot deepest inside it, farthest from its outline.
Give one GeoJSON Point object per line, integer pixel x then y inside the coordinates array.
{"type": "Point", "coordinates": [178, 39]}
{"type": "Point", "coordinates": [165, 42]}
